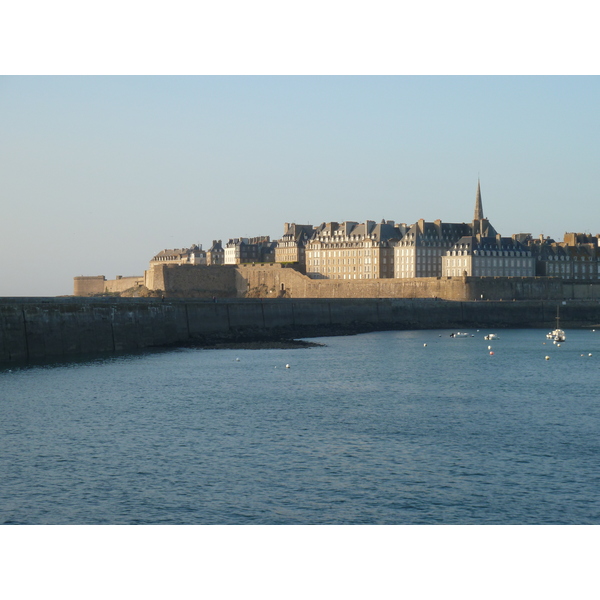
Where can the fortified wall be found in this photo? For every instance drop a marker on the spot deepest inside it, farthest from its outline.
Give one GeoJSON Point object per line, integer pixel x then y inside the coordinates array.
{"type": "Point", "coordinates": [89, 286]}
{"type": "Point", "coordinates": [273, 280]}
{"type": "Point", "coordinates": [41, 328]}
{"type": "Point", "coordinates": [194, 281]}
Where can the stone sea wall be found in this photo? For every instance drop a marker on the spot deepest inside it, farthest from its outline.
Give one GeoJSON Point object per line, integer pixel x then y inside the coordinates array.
{"type": "Point", "coordinates": [40, 328]}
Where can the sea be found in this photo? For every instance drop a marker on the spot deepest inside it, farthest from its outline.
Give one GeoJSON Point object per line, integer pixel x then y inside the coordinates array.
{"type": "Point", "coordinates": [384, 428]}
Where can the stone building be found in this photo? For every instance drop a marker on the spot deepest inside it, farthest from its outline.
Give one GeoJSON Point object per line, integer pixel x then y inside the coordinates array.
{"type": "Point", "coordinates": [291, 247]}
{"type": "Point", "coordinates": [584, 251]}
{"type": "Point", "coordinates": [215, 255]}
{"type": "Point", "coordinates": [180, 256]}
{"type": "Point", "coordinates": [421, 251]}
{"type": "Point", "coordinates": [249, 250]}
{"type": "Point", "coordinates": [578, 239]}
{"type": "Point", "coordinates": [487, 256]}
{"type": "Point", "coordinates": [584, 261]}
{"type": "Point", "coordinates": [485, 253]}
{"type": "Point", "coordinates": [352, 250]}
{"type": "Point", "coordinates": [577, 257]}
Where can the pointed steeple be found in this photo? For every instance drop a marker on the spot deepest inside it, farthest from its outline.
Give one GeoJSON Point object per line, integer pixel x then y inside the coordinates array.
{"type": "Point", "coordinates": [478, 205]}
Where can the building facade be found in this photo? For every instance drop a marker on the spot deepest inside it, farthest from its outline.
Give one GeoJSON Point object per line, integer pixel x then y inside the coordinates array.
{"type": "Point", "coordinates": [352, 250]}
{"type": "Point", "coordinates": [249, 250]}
{"type": "Point", "coordinates": [483, 256]}
{"type": "Point", "coordinates": [215, 255]}
{"type": "Point", "coordinates": [180, 256]}
{"type": "Point", "coordinates": [291, 247]}
{"type": "Point", "coordinates": [577, 257]}
{"type": "Point", "coordinates": [419, 252]}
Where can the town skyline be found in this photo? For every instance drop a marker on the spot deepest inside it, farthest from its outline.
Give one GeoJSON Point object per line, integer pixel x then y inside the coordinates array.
{"type": "Point", "coordinates": [101, 173]}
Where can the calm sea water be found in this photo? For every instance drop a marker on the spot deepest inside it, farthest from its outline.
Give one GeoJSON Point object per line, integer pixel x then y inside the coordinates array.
{"type": "Point", "coordinates": [376, 428]}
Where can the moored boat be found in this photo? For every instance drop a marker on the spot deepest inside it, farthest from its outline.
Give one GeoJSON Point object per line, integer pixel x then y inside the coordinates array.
{"type": "Point", "coordinates": [557, 335]}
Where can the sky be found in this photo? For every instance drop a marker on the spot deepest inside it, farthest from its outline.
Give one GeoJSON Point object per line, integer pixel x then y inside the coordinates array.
{"type": "Point", "coordinates": [100, 169]}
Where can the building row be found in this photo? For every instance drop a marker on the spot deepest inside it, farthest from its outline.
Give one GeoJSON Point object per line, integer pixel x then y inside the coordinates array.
{"type": "Point", "coordinates": [370, 250]}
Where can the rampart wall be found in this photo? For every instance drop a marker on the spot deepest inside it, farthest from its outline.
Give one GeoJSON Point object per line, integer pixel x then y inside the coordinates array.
{"type": "Point", "coordinates": [120, 284]}
{"type": "Point", "coordinates": [272, 280]}
{"type": "Point", "coordinates": [34, 328]}
{"type": "Point", "coordinates": [194, 281]}
{"type": "Point", "coordinates": [89, 286]}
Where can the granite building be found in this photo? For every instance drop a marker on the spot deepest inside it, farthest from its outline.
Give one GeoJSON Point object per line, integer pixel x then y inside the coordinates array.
{"type": "Point", "coordinates": [487, 256]}
{"type": "Point", "coordinates": [485, 253]}
{"type": "Point", "coordinates": [249, 250]}
{"type": "Point", "coordinates": [215, 255]}
{"type": "Point", "coordinates": [291, 247]}
{"type": "Point", "coordinates": [180, 256]}
{"type": "Point", "coordinates": [353, 250]}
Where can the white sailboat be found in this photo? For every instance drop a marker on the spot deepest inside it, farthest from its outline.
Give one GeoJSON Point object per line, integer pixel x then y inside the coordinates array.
{"type": "Point", "coordinates": [557, 335]}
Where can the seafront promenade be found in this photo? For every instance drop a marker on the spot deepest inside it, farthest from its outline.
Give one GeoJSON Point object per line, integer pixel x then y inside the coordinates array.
{"type": "Point", "coordinates": [42, 328]}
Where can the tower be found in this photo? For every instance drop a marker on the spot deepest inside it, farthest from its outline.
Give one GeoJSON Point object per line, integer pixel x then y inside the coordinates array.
{"type": "Point", "coordinates": [478, 205]}
{"type": "Point", "coordinates": [481, 226]}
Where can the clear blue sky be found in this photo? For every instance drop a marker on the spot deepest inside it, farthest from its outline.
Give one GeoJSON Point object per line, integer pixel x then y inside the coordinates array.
{"type": "Point", "coordinates": [98, 174]}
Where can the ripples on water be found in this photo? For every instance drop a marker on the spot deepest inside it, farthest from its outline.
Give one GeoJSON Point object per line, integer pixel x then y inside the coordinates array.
{"type": "Point", "coordinates": [375, 428]}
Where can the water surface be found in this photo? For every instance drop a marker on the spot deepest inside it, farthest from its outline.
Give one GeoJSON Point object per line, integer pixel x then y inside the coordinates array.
{"type": "Point", "coordinates": [382, 428]}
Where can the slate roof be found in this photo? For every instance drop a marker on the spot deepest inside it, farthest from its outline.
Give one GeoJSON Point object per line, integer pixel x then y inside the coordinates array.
{"type": "Point", "coordinates": [473, 243]}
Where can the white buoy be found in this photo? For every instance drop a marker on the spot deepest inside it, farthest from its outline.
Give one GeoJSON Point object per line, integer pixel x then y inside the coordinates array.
{"type": "Point", "coordinates": [558, 345]}
{"type": "Point", "coordinates": [547, 358]}
{"type": "Point", "coordinates": [424, 345]}
{"type": "Point", "coordinates": [287, 366]}
{"type": "Point", "coordinates": [489, 347]}
{"type": "Point", "coordinates": [237, 360]}
{"type": "Point", "coordinates": [590, 354]}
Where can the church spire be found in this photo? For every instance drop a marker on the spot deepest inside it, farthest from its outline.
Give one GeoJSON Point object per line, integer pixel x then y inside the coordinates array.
{"type": "Point", "coordinates": [478, 206]}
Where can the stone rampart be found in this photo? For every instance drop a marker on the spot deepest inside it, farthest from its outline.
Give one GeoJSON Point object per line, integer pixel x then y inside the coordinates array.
{"type": "Point", "coordinates": [34, 328]}
{"type": "Point", "coordinates": [120, 284]}
{"type": "Point", "coordinates": [90, 286]}
{"type": "Point", "coordinates": [193, 281]}
{"type": "Point", "coordinates": [273, 280]}
{"type": "Point", "coordinates": [270, 281]}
